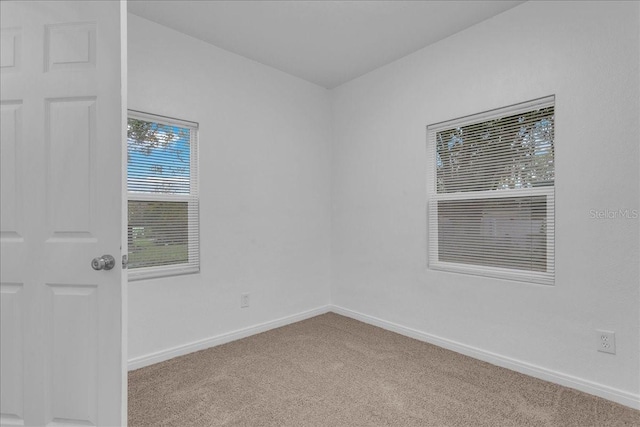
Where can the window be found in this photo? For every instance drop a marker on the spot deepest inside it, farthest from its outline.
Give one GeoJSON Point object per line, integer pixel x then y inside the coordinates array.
{"type": "Point", "coordinates": [162, 189]}
{"type": "Point", "coordinates": [491, 193]}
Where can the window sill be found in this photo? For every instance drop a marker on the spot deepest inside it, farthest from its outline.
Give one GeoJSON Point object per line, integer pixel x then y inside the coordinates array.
{"type": "Point", "coordinates": [145, 273]}
{"type": "Point", "coordinates": [539, 278]}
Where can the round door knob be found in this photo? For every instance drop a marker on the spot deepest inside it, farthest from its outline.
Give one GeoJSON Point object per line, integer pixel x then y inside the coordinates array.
{"type": "Point", "coordinates": [105, 262]}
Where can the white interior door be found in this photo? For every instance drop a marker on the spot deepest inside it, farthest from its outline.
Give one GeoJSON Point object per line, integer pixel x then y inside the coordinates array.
{"type": "Point", "coordinates": [62, 129]}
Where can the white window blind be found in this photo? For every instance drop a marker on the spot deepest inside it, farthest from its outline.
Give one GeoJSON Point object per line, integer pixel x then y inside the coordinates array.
{"type": "Point", "coordinates": [491, 193]}
{"type": "Point", "coordinates": [163, 204]}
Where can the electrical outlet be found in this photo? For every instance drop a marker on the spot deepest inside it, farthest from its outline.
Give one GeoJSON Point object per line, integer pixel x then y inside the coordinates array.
{"type": "Point", "coordinates": [244, 300]}
{"type": "Point", "coordinates": [606, 341]}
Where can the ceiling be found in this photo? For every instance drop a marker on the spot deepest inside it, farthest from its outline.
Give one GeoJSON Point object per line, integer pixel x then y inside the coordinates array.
{"type": "Point", "coordinates": [323, 42]}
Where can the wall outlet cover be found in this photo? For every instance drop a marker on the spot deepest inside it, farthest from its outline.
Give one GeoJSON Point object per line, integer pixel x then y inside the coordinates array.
{"type": "Point", "coordinates": [606, 341]}
{"type": "Point", "coordinates": [244, 300]}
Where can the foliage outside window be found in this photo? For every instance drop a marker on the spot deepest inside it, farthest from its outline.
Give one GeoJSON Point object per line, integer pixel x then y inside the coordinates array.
{"type": "Point", "coordinates": [162, 190]}
{"type": "Point", "coordinates": [491, 193]}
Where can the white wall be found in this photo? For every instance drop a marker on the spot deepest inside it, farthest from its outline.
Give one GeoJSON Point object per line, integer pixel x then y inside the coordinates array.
{"type": "Point", "coordinates": [265, 207]}
{"type": "Point", "coordinates": [587, 55]}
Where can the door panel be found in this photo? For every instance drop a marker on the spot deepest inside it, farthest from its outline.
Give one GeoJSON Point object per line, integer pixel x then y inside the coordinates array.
{"type": "Point", "coordinates": [11, 341]}
{"type": "Point", "coordinates": [72, 311]}
{"type": "Point", "coordinates": [62, 144]}
{"type": "Point", "coordinates": [10, 182]}
{"type": "Point", "coordinates": [10, 51]}
{"type": "Point", "coordinates": [70, 45]}
{"type": "Point", "coordinates": [70, 139]}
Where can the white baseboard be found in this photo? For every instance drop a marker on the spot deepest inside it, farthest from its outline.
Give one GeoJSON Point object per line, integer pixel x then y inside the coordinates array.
{"type": "Point", "coordinates": [161, 356]}
{"type": "Point", "coordinates": [596, 389]}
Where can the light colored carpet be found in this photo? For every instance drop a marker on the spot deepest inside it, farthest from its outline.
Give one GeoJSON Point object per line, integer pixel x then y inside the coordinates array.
{"type": "Point", "coordinates": [334, 371]}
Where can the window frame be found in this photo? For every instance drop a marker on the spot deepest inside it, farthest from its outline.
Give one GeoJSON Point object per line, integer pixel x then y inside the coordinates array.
{"type": "Point", "coordinates": [433, 197]}
{"type": "Point", "coordinates": [192, 266]}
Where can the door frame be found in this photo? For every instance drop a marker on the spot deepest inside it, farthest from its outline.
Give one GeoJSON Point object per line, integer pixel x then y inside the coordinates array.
{"type": "Point", "coordinates": [124, 306]}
